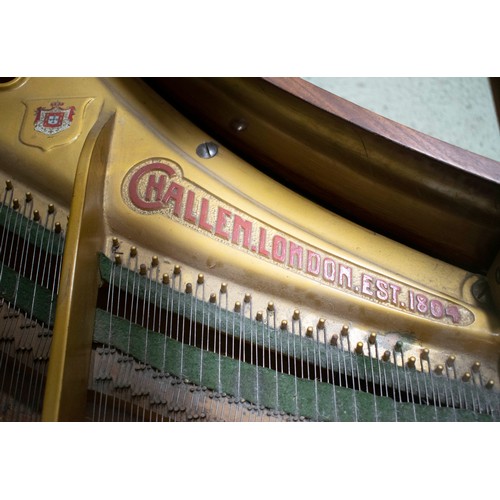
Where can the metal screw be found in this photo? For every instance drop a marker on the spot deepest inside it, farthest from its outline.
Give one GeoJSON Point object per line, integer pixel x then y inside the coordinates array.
{"type": "Point", "coordinates": [207, 150]}
{"type": "Point", "coordinates": [239, 124]}
{"type": "Point", "coordinates": [480, 291]}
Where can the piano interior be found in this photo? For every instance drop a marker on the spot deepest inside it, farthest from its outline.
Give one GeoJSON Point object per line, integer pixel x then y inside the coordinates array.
{"type": "Point", "coordinates": [239, 249]}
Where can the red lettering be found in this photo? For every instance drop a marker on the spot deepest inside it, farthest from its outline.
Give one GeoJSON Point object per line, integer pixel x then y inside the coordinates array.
{"type": "Point", "coordinates": [245, 225]}
{"type": "Point", "coordinates": [382, 292]}
{"type": "Point", "coordinates": [222, 215]}
{"type": "Point", "coordinates": [156, 186]}
{"type": "Point", "coordinates": [395, 292]}
{"type": "Point", "coordinates": [437, 308]}
{"type": "Point", "coordinates": [329, 270]}
{"type": "Point", "coordinates": [262, 243]}
{"type": "Point", "coordinates": [175, 192]}
{"type": "Point", "coordinates": [453, 313]}
{"type": "Point", "coordinates": [366, 283]}
{"type": "Point", "coordinates": [133, 187]}
{"type": "Point", "coordinates": [345, 275]}
{"type": "Point", "coordinates": [279, 248]}
{"type": "Point", "coordinates": [313, 263]}
{"type": "Point", "coordinates": [189, 216]}
{"type": "Point", "coordinates": [204, 224]}
{"type": "Point", "coordinates": [295, 255]}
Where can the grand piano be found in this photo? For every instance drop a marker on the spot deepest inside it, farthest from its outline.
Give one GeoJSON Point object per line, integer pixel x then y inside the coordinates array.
{"type": "Point", "coordinates": [239, 249]}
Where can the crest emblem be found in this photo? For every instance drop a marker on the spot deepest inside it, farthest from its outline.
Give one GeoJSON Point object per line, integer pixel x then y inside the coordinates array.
{"type": "Point", "coordinates": [53, 122]}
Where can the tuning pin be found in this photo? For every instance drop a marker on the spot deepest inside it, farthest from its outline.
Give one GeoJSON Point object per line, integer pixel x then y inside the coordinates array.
{"type": "Point", "coordinates": [296, 315]}
{"type": "Point", "coordinates": [386, 356]}
{"type": "Point", "coordinates": [439, 369]}
{"type": "Point", "coordinates": [309, 331]}
{"type": "Point", "coordinates": [223, 288]}
{"type": "Point", "coordinates": [189, 288]}
{"type": "Point", "coordinates": [57, 227]}
{"type": "Point", "coordinates": [399, 346]}
{"type": "Point", "coordinates": [466, 376]}
{"type": "Point", "coordinates": [372, 338]}
{"type": "Point", "coordinates": [165, 279]}
{"type": "Point", "coordinates": [334, 339]}
{"type": "Point", "coordinates": [237, 306]}
{"type": "Point", "coordinates": [118, 259]}
{"type": "Point", "coordinates": [154, 261]}
{"type": "Point", "coordinates": [115, 243]}
{"type": "Point", "coordinates": [247, 298]}
{"type": "Point", "coordinates": [424, 354]}
{"type": "Point", "coordinates": [321, 324]}
{"type": "Point", "coordinates": [51, 209]}
{"type": "Point", "coordinates": [143, 269]}
{"type": "Point", "coordinates": [15, 203]}
{"type": "Point", "coordinates": [259, 316]}
{"type": "Point", "coordinates": [213, 298]}
{"type": "Point", "coordinates": [345, 331]}
{"type": "Point", "coordinates": [489, 384]}
{"type": "Point", "coordinates": [451, 361]}
{"type": "Point", "coordinates": [8, 185]}
{"type": "Point", "coordinates": [476, 366]}
{"type": "Point", "coordinates": [201, 279]}
{"type": "Point", "coordinates": [177, 270]}
{"type": "Point", "coordinates": [270, 306]}
{"type": "Point", "coordinates": [29, 197]}
{"type": "Point", "coordinates": [411, 362]}
{"type": "Point", "coordinates": [36, 215]}
{"type": "Point", "coordinates": [359, 348]}
{"type": "Point", "coordinates": [133, 252]}
{"type": "Point", "coordinates": [284, 325]}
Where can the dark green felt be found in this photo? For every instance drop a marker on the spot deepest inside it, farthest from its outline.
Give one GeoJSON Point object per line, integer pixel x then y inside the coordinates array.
{"type": "Point", "coordinates": [30, 297]}
{"type": "Point", "coordinates": [34, 232]}
{"type": "Point", "coordinates": [347, 363]}
{"type": "Point", "coordinates": [308, 398]}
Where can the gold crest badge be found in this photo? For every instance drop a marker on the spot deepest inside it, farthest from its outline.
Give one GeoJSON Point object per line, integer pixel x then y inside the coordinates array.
{"type": "Point", "coordinates": [49, 123]}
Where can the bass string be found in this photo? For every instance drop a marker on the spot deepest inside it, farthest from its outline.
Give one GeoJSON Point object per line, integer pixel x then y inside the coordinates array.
{"type": "Point", "coordinates": [330, 369]}
{"type": "Point", "coordinates": [6, 337]}
{"type": "Point", "coordinates": [15, 330]}
{"type": "Point", "coordinates": [454, 374]}
{"type": "Point", "coordinates": [297, 325]}
{"type": "Point", "coordinates": [271, 317]}
{"type": "Point", "coordinates": [102, 358]}
{"type": "Point", "coordinates": [108, 353]}
{"type": "Point", "coordinates": [159, 381]}
{"type": "Point", "coordinates": [44, 352]}
{"type": "Point", "coordinates": [431, 377]}
{"type": "Point", "coordinates": [31, 328]}
{"type": "Point", "coordinates": [353, 384]}
{"type": "Point", "coordinates": [178, 284]}
{"type": "Point", "coordinates": [125, 366]}
{"type": "Point", "coordinates": [374, 390]}
{"type": "Point", "coordinates": [408, 386]}
{"type": "Point", "coordinates": [317, 376]}
{"type": "Point", "coordinates": [200, 395]}
{"type": "Point", "coordinates": [209, 321]}
{"type": "Point", "coordinates": [115, 402]}
{"type": "Point", "coordinates": [31, 352]}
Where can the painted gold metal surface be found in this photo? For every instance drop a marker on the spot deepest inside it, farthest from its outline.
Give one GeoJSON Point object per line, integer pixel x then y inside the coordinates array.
{"type": "Point", "coordinates": [66, 389]}
{"type": "Point", "coordinates": [157, 186]}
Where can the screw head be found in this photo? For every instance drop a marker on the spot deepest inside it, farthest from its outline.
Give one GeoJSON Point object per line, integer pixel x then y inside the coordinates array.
{"type": "Point", "coordinates": [239, 124]}
{"type": "Point", "coordinates": [480, 291]}
{"type": "Point", "coordinates": [207, 150]}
